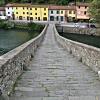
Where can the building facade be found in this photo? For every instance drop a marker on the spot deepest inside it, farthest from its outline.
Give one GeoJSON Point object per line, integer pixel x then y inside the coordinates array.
{"type": "Point", "coordinates": [9, 11]}
{"type": "Point", "coordinates": [2, 11]}
{"type": "Point", "coordinates": [27, 12]}
{"type": "Point", "coordinates": [57, 13]}
{"type": "Point", "coordinates": [70, 13]}
{"type": "Point", "coordinates": [82, 11]}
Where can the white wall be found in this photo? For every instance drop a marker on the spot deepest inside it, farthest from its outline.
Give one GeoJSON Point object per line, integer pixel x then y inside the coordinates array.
{"type": "Point", "coordinates": [10, 10]}
{"type": "Point", "coordinates": [55, 15]}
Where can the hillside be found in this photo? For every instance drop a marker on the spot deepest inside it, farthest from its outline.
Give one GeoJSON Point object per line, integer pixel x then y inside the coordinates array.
{"type": "Point", "coordinates": [59, 2]}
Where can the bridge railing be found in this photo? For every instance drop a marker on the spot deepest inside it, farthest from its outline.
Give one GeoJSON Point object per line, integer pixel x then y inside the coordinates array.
{"type": "Point", "coordinates": [87, 54]}
{"type": "Point", "coordinates": [13, 63]}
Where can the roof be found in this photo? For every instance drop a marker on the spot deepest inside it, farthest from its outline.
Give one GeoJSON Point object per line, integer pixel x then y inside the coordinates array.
{"type": "Point", "coordinates": [82, 4]}
{"type": "Point", "coordinates": [78, 4]}
{"type": "Point", "coordinates": [55, 7]}
{"type": "Point", "coordinates": [2, 8]}
{"type": "Point", "coordinates": [25, 5]}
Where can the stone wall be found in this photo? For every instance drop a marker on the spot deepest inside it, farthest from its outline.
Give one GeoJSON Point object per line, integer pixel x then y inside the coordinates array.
{"type": "Point", "coordinates": [89, 31]}
{"type": "Point", "coordinates": [14, 62]}
{"type": "Point", "coordinates": [88, 55]}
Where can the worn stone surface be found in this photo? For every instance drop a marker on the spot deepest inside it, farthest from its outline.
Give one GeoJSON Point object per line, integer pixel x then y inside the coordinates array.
{"type": "Point", "coordinates": [14, 62]}
{"type": "Point", "coordinates": [54, 74]}
{"type": "Point", "coordinates": [87, 54]}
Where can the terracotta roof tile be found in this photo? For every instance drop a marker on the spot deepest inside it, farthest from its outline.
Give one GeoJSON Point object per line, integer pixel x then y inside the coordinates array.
{"type": "Point", "coordinates": [55, 7]}
{"type": "Point", "coordinates": [82, 4]}
{"type": "Point", "coordinates": [2, 8]}
{"type": "Point", "coordinates": [24, 5]}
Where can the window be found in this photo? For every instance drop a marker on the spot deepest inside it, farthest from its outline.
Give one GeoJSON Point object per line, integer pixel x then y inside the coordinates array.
{"type": "Point", "coordinates": [35, 13]}
{"type": "Point", "coordinates": [30, 8]}
{"type": "Point", "coordinates": [27, 12]}
{"type": "Point", "coordinates": [27, 7]}
{"type": "Point", "coordinates": [73, 12]}
{"type": "Point", "coordinates": [35, 17]}
{"type": "Point", "coordinates": [79, 7]}
{"type": "Point", "coordinates": [45, 18]}
{"type": "Point", "coordinates": [61, 12]}
{"type": "Point", "coordinates": [44, 9]}
{"type": "Point", "coordinates": [57, 18]}
{"type": "Point", "coordinates": [8, 7]}
{"type": "Point", "coordinates": [16, 12]}
{"type": "Point", "coordinates": [16, 7]}
{"type": "Point", "coordinates": [44, 13]}
{"type": "Point", "coordinates": [23, 12]}
{"type": "Point", "coordinates": [35, 8]}
{"type": "Point", "coordinates": [39, 18]}
{"type": "Point", "coordinates": [23, 8]}
{"type": "Point", "coordinates": [84, 12]}
{"type": "Point", "coordinates": [85, 7]}
{"type": "Point", "coordinates": [70, 12]}
{"type": "Point", "coordinates": [61, 18]}
{"type": "Point", "coordinates": [27, 17]}
{"type": "Point", "coordinates": [51, 12]}
{"type": "Point", "coordinates": [31, 18]}
{"type": "Point", "coordinates": [57, 12]}
{"type": "Point", "coordinates": [8, 12]}
{"type": "Point", "coordinates": [30, 13]}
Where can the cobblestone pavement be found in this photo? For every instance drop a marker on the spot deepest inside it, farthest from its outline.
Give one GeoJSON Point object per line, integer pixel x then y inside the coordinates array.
{"type": "Point", "coordinates": [54, 74]}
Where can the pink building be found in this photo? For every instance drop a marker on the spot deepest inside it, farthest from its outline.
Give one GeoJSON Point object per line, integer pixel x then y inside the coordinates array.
{"type": "Point", "coordinates": [82, 11]}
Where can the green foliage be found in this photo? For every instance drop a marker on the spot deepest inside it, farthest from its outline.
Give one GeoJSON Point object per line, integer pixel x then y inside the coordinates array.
{"type": "Point", "coordinates": [35, 27]}
{"type": "Point", "coordinates": [62, 2]}
{"type": "Point", "coordinates": [95, 10]}
{"type": "Point", "coordinates": [6, 24]}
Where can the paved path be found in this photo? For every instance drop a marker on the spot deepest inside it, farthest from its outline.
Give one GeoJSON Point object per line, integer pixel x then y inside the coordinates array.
{"type": "Point", "coordinates": [54, 74]}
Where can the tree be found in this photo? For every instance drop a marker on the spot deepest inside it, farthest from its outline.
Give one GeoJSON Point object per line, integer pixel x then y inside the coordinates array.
{"type": "Point", "coordinates": [95, 10]}
{"type": "Point", "coordinates": [62, 2]}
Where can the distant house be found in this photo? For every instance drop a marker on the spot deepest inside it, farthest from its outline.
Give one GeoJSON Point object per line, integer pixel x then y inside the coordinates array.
{"type": "Point", "coordinates": [70, 13]}
{"type": "Point", "coordinates": [2, 11]}
{"type": "Point", "coordinates": [57, 13]}
{"type": "Point", "coordinates": [82, 11]}
{"type": "Point", "coordinates": [62, 13]}
{"type": "Point", "coordinates": [9, 11]}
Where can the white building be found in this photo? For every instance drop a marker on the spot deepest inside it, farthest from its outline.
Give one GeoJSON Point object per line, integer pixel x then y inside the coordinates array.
{"type": "Point", "coordinates": [9, 11]}
{"type": "Point", "coordinates": [57, 13]}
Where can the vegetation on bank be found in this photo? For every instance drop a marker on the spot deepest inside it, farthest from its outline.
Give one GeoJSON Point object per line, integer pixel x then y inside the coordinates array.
{"type": "Point", "coordinates": [95, 11]}
{"type": "Point", "coordinates": [59, 2]}
{"type": "Point", "coordinates": [30, 26]}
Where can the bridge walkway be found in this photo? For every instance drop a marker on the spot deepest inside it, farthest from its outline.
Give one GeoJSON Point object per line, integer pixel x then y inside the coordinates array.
{"type": "Point", "coordinates": [54, 74]}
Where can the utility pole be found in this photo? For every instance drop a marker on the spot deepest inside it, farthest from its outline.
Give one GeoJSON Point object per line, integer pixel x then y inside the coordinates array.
{"type": "Point", "coordinates": [75, 11]}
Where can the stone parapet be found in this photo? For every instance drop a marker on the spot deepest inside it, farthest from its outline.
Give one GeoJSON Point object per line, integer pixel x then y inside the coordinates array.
{"type": "Point", "coordinates": [77, 30]}
{"type": "Point", "coordinates": [87, 54]}
{"type": "Point", "coordinates": [13, 63]}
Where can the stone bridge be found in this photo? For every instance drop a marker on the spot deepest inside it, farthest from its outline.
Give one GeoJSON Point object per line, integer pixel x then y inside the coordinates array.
{"type": "Point", "coordinates": [55, 74]}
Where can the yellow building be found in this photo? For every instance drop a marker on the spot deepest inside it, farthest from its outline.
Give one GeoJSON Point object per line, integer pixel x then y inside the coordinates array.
{"type": "Point", "coordinates": [30, 12]}
{"type": "Point", "coordinates": [71, 13]}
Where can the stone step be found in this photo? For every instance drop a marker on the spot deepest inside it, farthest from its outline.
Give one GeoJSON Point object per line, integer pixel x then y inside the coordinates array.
{"type": "Point", "coordinates": [58, 98]}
